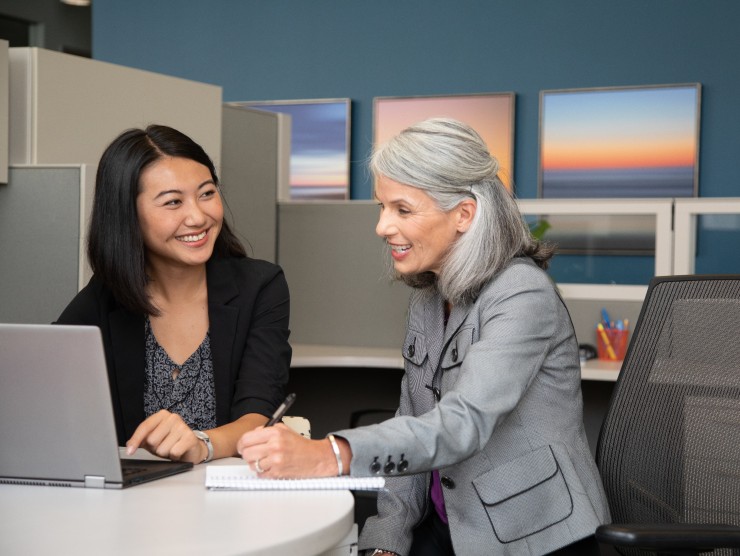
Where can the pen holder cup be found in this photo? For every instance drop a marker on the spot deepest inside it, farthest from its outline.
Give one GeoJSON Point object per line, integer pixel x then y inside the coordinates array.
{"type": "Point", "coordinates": [618, 340]}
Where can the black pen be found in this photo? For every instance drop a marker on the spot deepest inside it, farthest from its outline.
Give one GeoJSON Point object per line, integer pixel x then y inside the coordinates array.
{"type": "Point", "coordinates": [280, 411]}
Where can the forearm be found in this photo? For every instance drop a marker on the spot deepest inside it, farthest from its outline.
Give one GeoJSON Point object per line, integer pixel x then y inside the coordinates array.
{"type": "Point", "coordinates": [225, 437]}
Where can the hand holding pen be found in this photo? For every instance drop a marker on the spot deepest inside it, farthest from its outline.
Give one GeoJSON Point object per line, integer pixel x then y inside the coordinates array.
{"type": "Point", "coordinates": [279, 452]}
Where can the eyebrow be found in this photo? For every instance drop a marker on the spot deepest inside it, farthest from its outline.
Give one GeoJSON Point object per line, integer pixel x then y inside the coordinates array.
{"type": "Point", "coordinates": [179, 191]}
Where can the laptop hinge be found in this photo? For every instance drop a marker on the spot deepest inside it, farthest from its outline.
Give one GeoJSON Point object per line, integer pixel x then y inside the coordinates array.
{"type": "Point", "coordinates": [94, 481]}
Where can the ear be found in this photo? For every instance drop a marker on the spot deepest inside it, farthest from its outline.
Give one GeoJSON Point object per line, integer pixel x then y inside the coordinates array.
{"type": "Point", "coordinates": [465, 214]}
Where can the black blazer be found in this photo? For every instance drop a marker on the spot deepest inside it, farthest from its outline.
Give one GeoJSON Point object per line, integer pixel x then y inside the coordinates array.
{"type": "Point", "coordinates": [248, 311]}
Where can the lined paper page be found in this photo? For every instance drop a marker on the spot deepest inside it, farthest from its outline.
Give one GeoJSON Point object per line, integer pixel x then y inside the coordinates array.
{"type": "Point", "coordinates": [241, 477]}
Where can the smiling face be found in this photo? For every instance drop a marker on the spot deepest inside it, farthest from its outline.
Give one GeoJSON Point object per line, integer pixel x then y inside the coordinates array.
{"type": "Point", "coordinates": [180, 212]}
{"type": "Point", "coordinates": [417, 231]}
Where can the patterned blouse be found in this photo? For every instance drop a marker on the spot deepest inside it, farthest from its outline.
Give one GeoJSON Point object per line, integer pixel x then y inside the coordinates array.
{"type": "Point", "coordinates": [192, 394]}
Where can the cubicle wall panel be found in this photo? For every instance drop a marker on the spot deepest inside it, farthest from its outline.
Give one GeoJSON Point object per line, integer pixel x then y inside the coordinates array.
{"type": "Point", "coordinates": [253, 152]}
{"type": "Point", "coordinates": [4, 113]}
{"type": "Point", "coordinates": [39, 243]}
{"type": "Point", "coordinates": [341, 292]}
{"type": "Point", "coordinates": [66, 109]}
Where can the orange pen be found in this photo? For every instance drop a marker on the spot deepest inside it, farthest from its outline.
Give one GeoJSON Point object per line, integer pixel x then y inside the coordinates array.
{"type": "Point", "coordinates": [607, 343]}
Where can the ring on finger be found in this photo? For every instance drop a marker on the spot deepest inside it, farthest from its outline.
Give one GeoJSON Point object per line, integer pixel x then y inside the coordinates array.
{"type": "Point", "coordinates": [257, 467]}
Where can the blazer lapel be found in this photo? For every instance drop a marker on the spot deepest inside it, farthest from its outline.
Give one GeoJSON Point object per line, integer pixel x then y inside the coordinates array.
{"type": "Point", "coordinates": [223, 320]}
{"type": "Point", "coordinates": [434, 328]}
{"type": "Point", "coordinates": [457, 316]}
{"type": "Point", "coordinates": [127, 339]}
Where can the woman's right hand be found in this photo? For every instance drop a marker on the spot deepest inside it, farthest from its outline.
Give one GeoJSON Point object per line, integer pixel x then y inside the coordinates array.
{"type": "Point", "coordinates": [278, 452]}
{"type": "Point", "coordinates": [166, 435]}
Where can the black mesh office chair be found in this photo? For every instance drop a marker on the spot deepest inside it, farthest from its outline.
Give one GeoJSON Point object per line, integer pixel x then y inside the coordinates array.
{"type": "Point", "coordinates": [669, 449]}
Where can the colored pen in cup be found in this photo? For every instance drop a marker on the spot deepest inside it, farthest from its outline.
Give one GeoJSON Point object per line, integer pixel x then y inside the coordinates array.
{"type": "Point", "coordinates": [607, 343]}
{"type": "Point", "coordinates": [605, 318]}
{"type": "Point", "coordinates": [280, 411]}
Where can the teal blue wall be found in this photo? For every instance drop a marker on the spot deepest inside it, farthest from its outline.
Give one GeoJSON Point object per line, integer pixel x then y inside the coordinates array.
{"type": "Point", "coordinates": [297, 49]}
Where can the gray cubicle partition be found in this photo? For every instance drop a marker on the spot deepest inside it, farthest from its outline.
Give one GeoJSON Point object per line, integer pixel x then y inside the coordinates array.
{"type": "Point", "coordinates": [4, 96]}
{"type": "Point", "coordinates": [40, 228]}
{"type": "Point", "coordinates": [255, 157]}
{"type": "Point", "coordinates": [66, 108]}
{"type": "Point", "coordinates": [336, 269]}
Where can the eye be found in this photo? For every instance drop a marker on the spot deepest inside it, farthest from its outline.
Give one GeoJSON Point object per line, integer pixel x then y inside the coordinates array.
{"type": "Point", "coordinates": [172, 203]}
{"type": "Point", "coordinates": [208, 194]}
{"type": "Point", "coordinates": [403, 211]}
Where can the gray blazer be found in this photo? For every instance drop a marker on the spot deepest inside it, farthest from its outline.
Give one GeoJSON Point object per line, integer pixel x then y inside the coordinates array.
{"type": "Point", "coordinates": [507, 432]}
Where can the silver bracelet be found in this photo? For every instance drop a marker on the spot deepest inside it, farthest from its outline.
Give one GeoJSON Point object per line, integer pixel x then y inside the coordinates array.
{"type": "Point", "coordinates": [335, 448]}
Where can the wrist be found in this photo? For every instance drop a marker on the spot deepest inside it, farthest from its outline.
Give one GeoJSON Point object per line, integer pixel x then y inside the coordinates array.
{"type": "Point", "coordinates": [337, 454]}
{"type": "Point", "coordinates": [208, 453]}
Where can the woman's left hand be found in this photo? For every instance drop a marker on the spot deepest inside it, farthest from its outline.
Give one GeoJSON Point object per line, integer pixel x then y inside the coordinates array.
{"type": "Point", "coordinates": [166, 435]}
{"type": "Point", "coordinates": [278, 452]}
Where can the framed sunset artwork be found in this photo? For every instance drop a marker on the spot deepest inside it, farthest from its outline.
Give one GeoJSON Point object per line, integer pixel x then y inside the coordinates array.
{"type": "Point", "coordinates": [319, 145]}
{"type": "Point", "coordinates": [490, 114]}
{"type": "Point", "coordinates": [620, 142]}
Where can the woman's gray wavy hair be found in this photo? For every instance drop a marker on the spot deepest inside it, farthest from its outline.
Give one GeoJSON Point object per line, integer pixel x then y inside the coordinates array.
{"type": "Point", "coordinates": [449, 161]}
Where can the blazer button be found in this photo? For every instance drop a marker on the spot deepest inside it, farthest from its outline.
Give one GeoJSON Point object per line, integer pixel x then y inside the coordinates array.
{"type": "Point", "coordinates": [390, 467]}
{"type": "Point", "coordinates": [375, 466]}
{"type": "Point", "coordinates": [403, 464]}
{"type": "Point", "coordinates": [411, 350]}
{"type": "Point", "coordinates": [447, 482]}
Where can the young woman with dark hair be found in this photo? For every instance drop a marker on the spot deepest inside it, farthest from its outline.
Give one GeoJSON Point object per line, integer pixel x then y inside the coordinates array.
{"type": "Point", "coordinates": [195, 332]}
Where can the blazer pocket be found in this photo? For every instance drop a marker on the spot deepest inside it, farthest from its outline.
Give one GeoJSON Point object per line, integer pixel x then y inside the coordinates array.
{"type": "Point", "coordinates": [525, 496]}
{"type": "Point", "coordinates": [457, 348]}
{"type": "Point", "coordinates": [415, 348]}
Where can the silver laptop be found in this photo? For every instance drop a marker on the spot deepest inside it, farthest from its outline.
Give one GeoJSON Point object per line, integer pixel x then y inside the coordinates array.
{"type": "Point", "coordinates": [56, 415]}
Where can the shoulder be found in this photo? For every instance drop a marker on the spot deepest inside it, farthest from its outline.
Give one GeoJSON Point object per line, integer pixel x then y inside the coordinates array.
{"type": "Point", "coordinates": [231, 277]}
{"type": "Point", "coordinates": [520, 273]}
{"type": "Point", "coordinates": [245, 268]}
{"type": "Point", "coordinates": [87, 305]}
{"type": "Point", "coordinates": [521, 282]}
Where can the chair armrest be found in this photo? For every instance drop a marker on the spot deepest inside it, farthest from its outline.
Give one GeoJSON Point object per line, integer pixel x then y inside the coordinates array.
{"type": "Point", "coordinates": [685, 537]}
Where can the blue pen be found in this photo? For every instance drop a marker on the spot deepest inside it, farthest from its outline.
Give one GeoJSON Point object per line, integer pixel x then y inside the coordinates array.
{"type": "Point", "coordinates": [605, 318]}
{"type": "Point", "coordinates": [620, 325]}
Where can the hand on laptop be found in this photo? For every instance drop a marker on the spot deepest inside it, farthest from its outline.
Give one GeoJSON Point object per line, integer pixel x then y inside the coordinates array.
{"type": "Point", "coordinates": [166, 435]}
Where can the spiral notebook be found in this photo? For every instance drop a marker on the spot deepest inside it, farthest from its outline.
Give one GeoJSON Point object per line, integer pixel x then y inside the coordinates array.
{"type": "Point", "coordinates": [241, 477]}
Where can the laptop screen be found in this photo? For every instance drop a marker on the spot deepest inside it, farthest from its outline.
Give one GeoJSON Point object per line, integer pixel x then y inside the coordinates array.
{"type": "Point", "coordinates": [56, 415]}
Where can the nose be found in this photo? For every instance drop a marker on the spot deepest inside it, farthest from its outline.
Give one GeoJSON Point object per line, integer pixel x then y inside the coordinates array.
{"type": "Point", "coordinates": [384, 228]}
{"type": "Point", "coordinates": [195, 216]}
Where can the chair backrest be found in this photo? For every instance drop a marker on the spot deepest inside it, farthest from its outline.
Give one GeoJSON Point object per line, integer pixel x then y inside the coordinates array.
{"type": "Point", "coordinates": [669, 449]}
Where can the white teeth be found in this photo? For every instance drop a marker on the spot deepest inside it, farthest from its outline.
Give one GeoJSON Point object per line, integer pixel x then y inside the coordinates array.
{"type": "Point", "coordinates": [192, 238]}
{"type": "Point", "coordinates": [400, 248]}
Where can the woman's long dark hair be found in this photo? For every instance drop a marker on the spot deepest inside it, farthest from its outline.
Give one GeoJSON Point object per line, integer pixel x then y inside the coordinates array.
{"type": "Point", "coordinates": [115, 247]}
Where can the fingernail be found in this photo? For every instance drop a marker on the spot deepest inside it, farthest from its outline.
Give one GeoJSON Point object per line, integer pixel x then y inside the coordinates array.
{"type": "Point", "coordinates": [130, 450]}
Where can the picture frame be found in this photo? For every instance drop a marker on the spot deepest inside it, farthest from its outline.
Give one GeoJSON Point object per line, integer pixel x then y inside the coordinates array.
{"type": "Point", "coordinates": [616, 142]}
{"type": "Point", "coordinates": [319, 145]}
{"type": "Point", "coordinates": [490, 114]}
{"type": "Point", "coordinates": [624, 142]}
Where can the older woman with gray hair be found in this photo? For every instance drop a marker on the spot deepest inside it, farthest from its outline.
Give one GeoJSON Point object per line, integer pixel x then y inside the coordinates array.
{"type": "Point", "coordinates": [487, 453]}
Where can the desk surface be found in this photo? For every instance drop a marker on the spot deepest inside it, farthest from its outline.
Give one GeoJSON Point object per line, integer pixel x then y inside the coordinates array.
{"type": "Point", "coordinates": [309, 355]}
{"type": "Point", "coordinates": [175, 515]}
